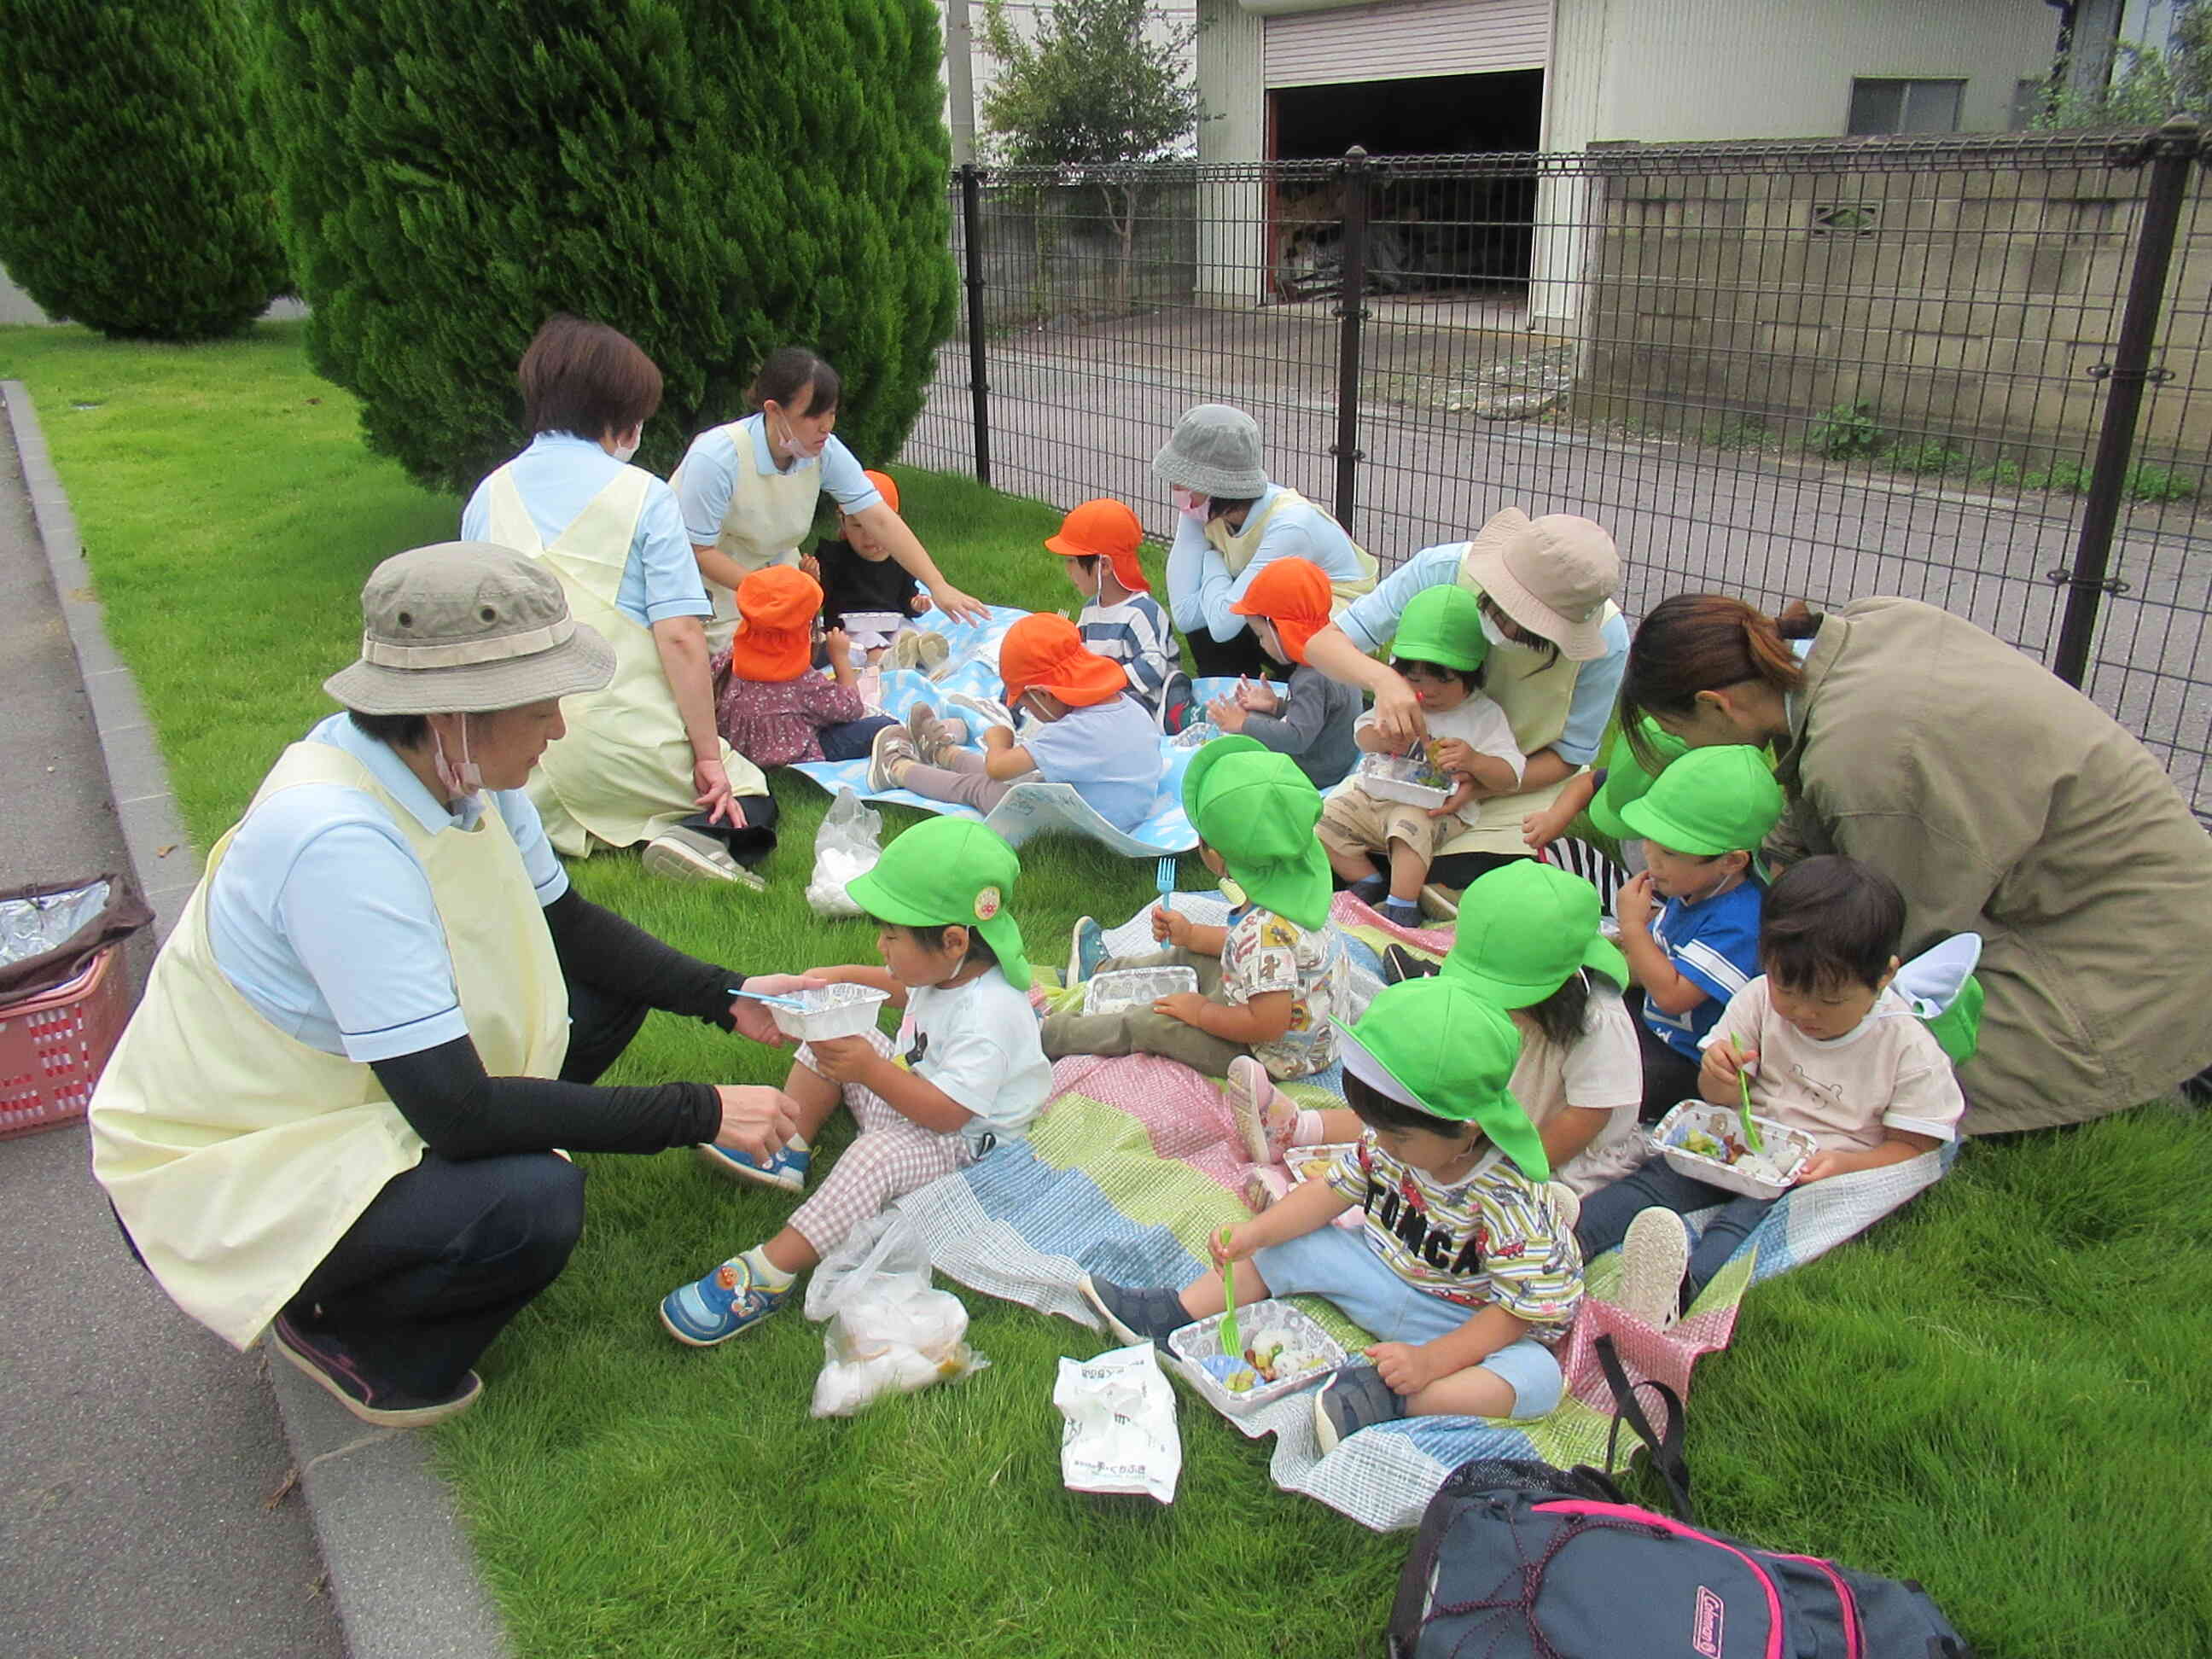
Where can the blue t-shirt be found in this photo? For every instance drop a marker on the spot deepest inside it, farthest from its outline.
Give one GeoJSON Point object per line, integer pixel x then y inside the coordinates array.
{"type": "Point", "coordinates": [1714, 945]}
{"type": "Point", "coordinates": [1110, 751]}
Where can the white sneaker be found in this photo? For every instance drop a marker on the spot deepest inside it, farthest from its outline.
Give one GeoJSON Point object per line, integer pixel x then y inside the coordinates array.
{"type": "Point", "coordinates": [1654, 1256]}
{"type": "Point", "coordinates": [918, 647]}
{"type": "Point", "coordinates": [681, 854]}
{"type": "Point", "coordinates": [1567, 1203]}
{"type": "Point", "coordinates": [1262, 1132]}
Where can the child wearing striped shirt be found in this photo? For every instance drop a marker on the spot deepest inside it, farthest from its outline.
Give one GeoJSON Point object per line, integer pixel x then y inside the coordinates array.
{"type": "Point", "coordinates": [1122, 622]}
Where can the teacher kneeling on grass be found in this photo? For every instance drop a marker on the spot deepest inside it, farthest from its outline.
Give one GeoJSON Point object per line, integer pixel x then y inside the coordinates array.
{"type": "Point", "coordinates": [1557, 648]}
{"type": "Point", "coordinates": [333, 1117]}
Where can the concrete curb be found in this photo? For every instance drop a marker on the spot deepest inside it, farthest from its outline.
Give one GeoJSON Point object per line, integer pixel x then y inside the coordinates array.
{"type": "Point", "coordinates": [401, 1570]}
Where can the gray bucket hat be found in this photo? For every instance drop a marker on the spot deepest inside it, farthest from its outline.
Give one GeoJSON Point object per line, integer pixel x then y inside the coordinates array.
{"type": "Point", "coordinates": [1214, 450]}
{"type": "Point", "coordinates": [467, 628]}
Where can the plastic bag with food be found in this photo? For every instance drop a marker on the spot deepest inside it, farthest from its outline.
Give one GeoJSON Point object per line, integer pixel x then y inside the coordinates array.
{"type": "Point", "coordinates": [890, 1332]}
{"type": "Point", "coordinates": [845, 848]}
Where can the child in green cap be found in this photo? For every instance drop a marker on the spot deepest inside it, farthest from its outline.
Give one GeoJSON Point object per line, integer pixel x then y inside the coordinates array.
{"type": "Point", "coordinates": [1464, 1272]}
{"type": "Point", "coordinates": [965, 1073]}
{"type": "Point", "coordinates": [1440, 650]}
{"type": "Point", "coordinates": [1701, 820]}
{"type": "Point", "coordinates": [1271, 981]}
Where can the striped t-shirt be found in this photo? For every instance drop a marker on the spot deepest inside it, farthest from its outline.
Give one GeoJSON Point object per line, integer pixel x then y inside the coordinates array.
{"type": "Point", "coordinates": [1136, 634]}
{"type": "Point", "coordinates": [1491, 1237]}
{"type": "Point", "coordinates": [1713, 944]}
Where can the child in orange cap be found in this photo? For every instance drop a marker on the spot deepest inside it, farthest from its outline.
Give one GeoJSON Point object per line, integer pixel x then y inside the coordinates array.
{"type": "Point", "coordinates": [776, 710]}
{"type": "Point", "coordinates": [1123, 622]}
{"type": "Point", "coordinates": [857, 572]}
{"type": "Point", "coordinates": [1289, 603]}
{"type": "Point", "coordinates": [1084, 730]}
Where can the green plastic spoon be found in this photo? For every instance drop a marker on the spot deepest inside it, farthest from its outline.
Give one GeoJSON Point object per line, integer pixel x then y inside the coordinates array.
{"type": "Point", "coordinates": [1229, 1343]}
{"type": "Point", "coordinates": [1743, 1086]}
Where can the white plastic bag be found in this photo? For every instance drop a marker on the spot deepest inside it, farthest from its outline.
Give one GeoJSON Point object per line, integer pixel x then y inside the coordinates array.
{"type": "Point", "coordinates": [1120, 1431]}
{"type": "Point", "coordinates": [845, 848]}
{"type": "Point", "coordinates": [890, 1332]}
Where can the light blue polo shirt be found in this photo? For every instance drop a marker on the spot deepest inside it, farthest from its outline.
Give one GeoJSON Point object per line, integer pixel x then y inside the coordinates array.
{"type": "Point", "coordinates": [322, 916]}
{"type": "Point", "coordinates": [1370, 620]}
{"type": "Point", "coordinates": [710, 470]}
{"type": "Point", "coordinates": [1199, 588]}
{"type": "Point", "coordinates": [557, 476]}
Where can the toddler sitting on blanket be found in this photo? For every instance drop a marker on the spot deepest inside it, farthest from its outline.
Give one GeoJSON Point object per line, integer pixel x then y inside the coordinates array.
{"type": "Point", "coordinates": [1440, 649]}
{"type": "Point", "coordinates": [774, 709]}
{"type": "Point", "coordinates": [1121, 621]}
{"type": "Point", "coordinates": [1084, 730]}
{"type": "Point", "coordinates": [965, 1073]}
{"type": "Point", "coordinates": [1830, 1048]}
{"type": "Point", "coordinates": [1464, 1273]}
{"type": "Point", "coordinates": [1271, 981]}
{"type": "Point", "coordinates": [1289, 603]}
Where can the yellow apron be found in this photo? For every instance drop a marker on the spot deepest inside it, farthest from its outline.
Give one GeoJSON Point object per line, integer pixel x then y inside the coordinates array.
{"type": "Point", "coordinates": [1239, 550]}
{"type": "Point", "coordinates": [767, 517]}
{"type": "Point", "coordinates": [622, 774]}
{"type": "Point", "coordinates": [237, 1155]}
{"type": "Point", "coordinates": [1536, 693]}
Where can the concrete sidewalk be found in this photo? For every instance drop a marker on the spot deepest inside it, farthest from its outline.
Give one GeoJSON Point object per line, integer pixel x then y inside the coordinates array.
{"type": "Point", "coordinates": [160, 1488]}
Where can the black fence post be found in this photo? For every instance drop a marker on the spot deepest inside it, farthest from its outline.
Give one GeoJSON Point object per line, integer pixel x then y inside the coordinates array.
{"type": "Point", "coordinates": [2170, 150]}
{"type": "Point", "coordinates": [1351, 312]}
{"type": "Point", "coordinates": [971, 235]}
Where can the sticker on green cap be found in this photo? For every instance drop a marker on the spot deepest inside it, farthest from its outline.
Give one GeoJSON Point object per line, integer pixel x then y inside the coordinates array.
{"type": "Point", "coordinates": [988, 903]}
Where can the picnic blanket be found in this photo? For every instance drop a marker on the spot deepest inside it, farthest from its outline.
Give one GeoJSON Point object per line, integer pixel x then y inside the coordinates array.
{"type": "Point", "coordinates": [1134, 1162]}
{"type": "Point", "coordinates": [1029, 809]}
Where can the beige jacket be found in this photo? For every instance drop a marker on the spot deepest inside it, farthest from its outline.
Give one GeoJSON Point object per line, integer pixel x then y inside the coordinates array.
{"type": "Point", "coordinates": [2005, 803]}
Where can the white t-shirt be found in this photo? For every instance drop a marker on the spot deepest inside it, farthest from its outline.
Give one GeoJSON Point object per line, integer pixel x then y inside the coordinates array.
{"type": "Point", "coordinates": [978, 1043]}
{"type": "Point", "coordinates": [1602, 1070]}
{"type": "Point", "coordinates": [1480, 723]}
{"type": "Point", "coordinates": [1886, 1072]}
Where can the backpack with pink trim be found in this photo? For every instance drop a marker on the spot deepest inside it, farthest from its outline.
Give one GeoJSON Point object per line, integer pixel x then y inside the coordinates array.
{"type": "Point", "coordinates": [1519, 1560]}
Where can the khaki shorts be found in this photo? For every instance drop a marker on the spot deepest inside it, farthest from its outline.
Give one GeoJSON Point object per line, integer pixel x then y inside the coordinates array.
{"type": "Point", "coordinates": [1353, 821]}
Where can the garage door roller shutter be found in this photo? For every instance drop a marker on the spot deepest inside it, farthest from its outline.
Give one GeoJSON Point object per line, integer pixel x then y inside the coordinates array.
{"type": "Point", "coordinates": [1413, 37]}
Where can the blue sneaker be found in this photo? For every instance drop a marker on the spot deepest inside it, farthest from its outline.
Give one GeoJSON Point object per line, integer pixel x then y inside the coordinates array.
{"type": "Point", "coordinates": [1134, 1314]}
{"type": "Point", "coordinates": [725, 1304]}
{"type": "Point", "coordinates": [1087, 952]}
{"type": "Point", "coordinates": [786, 1169]}
{"type": "Point", "coordinates": [1355, 1397]}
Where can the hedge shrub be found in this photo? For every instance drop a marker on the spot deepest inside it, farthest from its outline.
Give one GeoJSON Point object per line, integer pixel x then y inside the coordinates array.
{"type": "Point", "coordinates": [712, 179]}
{"type": "Point", "coordinates": [129, 200]}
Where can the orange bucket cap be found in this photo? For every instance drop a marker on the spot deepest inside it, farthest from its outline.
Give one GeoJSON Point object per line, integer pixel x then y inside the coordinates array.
{"type": "Point", "coordinates": [1043, 652]}
{"type": "Point", "coordinates": [1294, 594]}
{"type": "Point", "coordinates": [885, 487]}
{"type": "Point", "coordinates": [1106, 529]}
{"type": "Point", "coordinates": [774, 639]}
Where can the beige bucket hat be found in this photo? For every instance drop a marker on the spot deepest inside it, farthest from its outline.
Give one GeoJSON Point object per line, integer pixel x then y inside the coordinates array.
{"type": "Point", "coordinates": [467, 628]}
{"type": "Point", "coordinates": [1552, 575]}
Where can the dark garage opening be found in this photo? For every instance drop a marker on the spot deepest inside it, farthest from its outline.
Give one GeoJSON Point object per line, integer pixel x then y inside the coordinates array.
{"type": "Point", "coordinates": [1430, 233]}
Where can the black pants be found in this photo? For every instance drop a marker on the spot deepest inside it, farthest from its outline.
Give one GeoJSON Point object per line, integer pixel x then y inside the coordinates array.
{"type": "Point", "coordinates": [1238, 654]}
{"type": "Point", "coordinates": [750, 840]}
{"type": "Point", "coordinates": [853, 739]}
{"type": "Point", "coordinates": [1669, 1079]}
{"type": "Point", "coordinates": [450, 1251]}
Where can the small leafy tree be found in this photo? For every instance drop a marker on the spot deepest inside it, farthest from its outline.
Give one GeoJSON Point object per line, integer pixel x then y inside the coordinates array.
{"type": "Point", "coordinates": [128, 200]}
{"type": "Point", "coordinates": [1094, 87]}
{"type": "Point", "coordinates": [713, 180]}
{"type": "Point", "coordinates": [2147, 86]}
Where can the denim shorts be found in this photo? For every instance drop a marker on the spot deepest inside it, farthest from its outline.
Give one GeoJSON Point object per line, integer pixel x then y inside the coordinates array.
{"type": "Point", "coordinates": [1335, 1262]}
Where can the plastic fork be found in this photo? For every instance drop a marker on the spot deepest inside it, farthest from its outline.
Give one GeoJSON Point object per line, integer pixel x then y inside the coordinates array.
{"type": "Point", "coordinates": [1164, 874]}
{"type": "Point", "coordinates": [1743, 1088]}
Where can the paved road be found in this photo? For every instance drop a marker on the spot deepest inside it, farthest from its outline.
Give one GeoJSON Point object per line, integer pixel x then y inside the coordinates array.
{"type": "Point", "coordinates": [1079, 411]}
{"type": "Point", "coordinates": [137, 1452]}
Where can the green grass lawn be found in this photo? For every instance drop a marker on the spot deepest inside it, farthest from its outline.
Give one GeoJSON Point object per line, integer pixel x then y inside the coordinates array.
{"type": "Point", "coordinates": [2003, 1393]}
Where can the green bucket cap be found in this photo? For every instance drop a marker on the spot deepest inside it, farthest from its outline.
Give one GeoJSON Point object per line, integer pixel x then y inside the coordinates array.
{"type": "Point", "coordinates": [1434, 1044]}
{"type": "Point", "coordinates": [1258, 811]}
{"type": "Point", "coordinates": [944, 870]}
{"type": "Point", "coordinates": [1712, 801]}
{"type": "Point", "coordinates": [1524, 929]}
{"type": "Point", "coordinates": [1443, 624]}
{"type": "Point", "coordinates": [1625, 780]}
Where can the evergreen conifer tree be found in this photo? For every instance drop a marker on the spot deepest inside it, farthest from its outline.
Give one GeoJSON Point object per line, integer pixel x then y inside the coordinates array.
{"type": "Point", "coordinates": [129, 200]}
{"type": "Point", "coordinates": [713, 180]}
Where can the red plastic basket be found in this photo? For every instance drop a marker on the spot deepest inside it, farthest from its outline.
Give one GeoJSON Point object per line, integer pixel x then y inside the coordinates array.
{"type": "Point", "coordinates": [53, 1048]}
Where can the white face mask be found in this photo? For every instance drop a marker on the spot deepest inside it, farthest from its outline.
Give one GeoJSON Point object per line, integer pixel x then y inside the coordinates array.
{"type": "Point", "coordinates": [463, 779]}
{"type": "Point", "coordinates": [1493, 633]}
{"type": "Point", "coordinates": [622, 451]}
{"type": "Point", "coordinates": [1188, 502]}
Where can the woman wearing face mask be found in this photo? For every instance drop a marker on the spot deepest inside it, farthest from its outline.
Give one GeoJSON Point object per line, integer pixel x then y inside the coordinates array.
{"type": "Point", "coordinates": [1558, 646]}
{"type": "Point", "coordinates": [642, 760]}
{"type": "Point", "coordinates": [332, 1116]}
{"type": "Point", "coordinates": [2001, 802]}
{"type": "Point", "coordinates": [748, 490]}
{"type": "Point", "coordinates": [1231, 523]}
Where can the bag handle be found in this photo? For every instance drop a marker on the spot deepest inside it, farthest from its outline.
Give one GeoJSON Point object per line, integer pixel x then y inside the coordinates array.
{"type": "Point", "coordinates": [1666, 1450]}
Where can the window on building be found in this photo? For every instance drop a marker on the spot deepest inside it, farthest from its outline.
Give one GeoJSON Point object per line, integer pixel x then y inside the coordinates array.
{"type": "Point", "coordinates": [1906, 105]}
{"type": "Point", "coordinates": [2027, 100]}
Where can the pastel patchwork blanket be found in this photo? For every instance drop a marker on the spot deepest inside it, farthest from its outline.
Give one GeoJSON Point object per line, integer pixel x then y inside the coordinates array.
{"type": "Point", "coordinates": [1134, 1162]}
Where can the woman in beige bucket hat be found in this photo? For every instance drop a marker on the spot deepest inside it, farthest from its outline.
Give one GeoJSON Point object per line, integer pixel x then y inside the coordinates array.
{"type": "Point", "coordinates": [333, 1117]}
{"type": "Point", "coordinates": [1559, 646]}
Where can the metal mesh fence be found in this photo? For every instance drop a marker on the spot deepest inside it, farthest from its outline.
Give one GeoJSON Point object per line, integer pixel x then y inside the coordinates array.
{"type": "Point", "coordinates": [1791, 370]}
